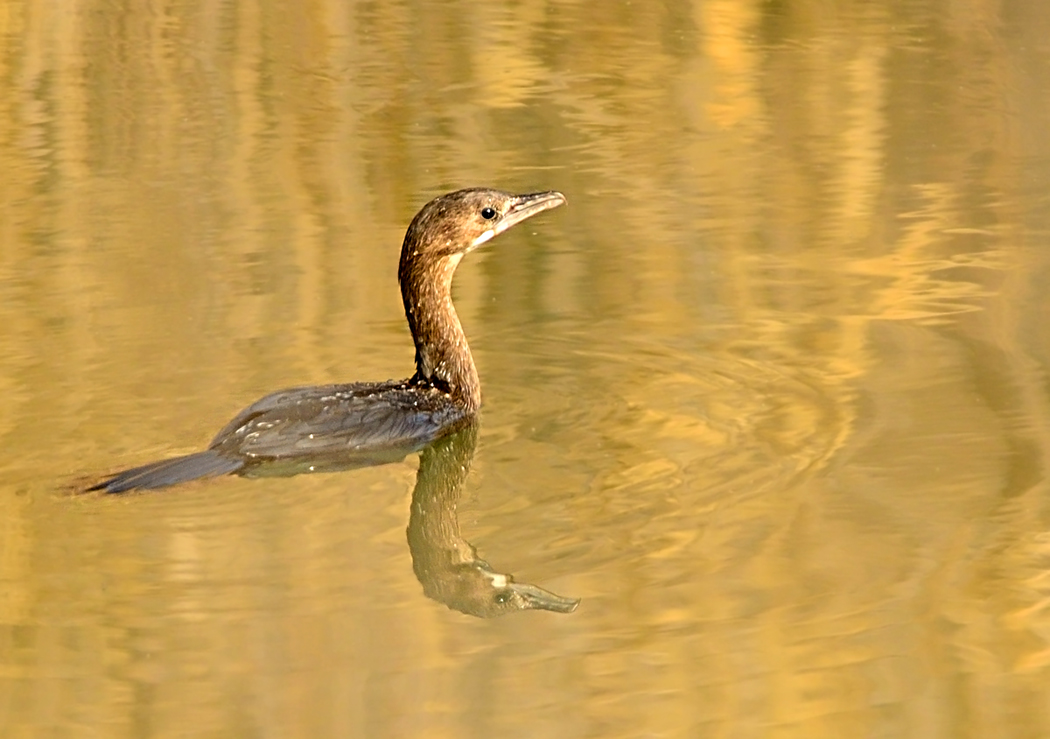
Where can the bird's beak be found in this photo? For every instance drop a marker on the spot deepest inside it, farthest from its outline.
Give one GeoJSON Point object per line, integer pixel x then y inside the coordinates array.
{"type": "Point", "coordinates": [521, 208]}
{"type": "Point", "coordinates": [545, 600]}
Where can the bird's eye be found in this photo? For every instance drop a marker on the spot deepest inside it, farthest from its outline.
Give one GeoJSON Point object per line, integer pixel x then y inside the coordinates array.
{"type": "Point", "coordinates": [488, 213]}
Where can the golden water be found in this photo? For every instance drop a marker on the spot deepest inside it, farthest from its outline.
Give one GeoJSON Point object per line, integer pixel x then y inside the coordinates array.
{"type": "Point", "coordinates": [770, 394]}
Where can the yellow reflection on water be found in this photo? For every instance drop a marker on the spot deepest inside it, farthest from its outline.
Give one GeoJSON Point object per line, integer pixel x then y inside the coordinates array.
{"type": "Point", "coordinates": [770, 393]}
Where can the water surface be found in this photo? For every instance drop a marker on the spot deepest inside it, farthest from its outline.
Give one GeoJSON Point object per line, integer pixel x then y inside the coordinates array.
{"type": "Point", "coordinates": [769, 395]}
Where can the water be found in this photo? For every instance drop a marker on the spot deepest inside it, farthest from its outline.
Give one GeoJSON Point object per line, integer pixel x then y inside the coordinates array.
{"type": "Point", "coordinates": [769, 394]}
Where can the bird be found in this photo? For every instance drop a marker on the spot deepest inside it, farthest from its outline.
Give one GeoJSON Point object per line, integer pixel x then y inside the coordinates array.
{"type": "Point", "coordinates": [345, 425]}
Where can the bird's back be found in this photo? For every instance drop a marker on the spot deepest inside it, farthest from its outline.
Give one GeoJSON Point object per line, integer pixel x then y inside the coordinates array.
{"type": "Point", "coordinates": [337, 419]}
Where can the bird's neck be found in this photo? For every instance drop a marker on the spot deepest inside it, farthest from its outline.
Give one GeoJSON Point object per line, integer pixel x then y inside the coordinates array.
{"type": "Point", "coordinates": [443, 358]}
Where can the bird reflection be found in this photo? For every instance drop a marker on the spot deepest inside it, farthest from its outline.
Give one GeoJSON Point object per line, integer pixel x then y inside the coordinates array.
{"type": "Point", "coordinates": [445, 563]}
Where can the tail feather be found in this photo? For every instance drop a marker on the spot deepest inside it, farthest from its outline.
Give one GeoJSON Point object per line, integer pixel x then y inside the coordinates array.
{"type": "Point", "coordinates": [170, 472]}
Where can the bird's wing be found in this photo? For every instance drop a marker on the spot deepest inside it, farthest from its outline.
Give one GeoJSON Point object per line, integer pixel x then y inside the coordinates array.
{"type": "Point", "coordinates": [335, 419]}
